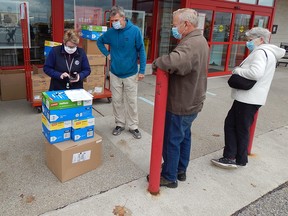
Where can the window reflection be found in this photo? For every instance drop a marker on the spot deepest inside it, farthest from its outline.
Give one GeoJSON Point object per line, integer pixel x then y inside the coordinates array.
{"type": "Point", "coordinates": [217, 58]}
{"type": "Point", "coordinates": [207, 23]}
{"type": "Point", "coordinates": [241, 25]}
{"type": "Point", "coordinates": [248, 1]}
{"type": "Point", "coordinates": [261, 21]}
{"type": "Point", "coordinates": [266, 2]}
{"type": "Point", "coordinates": [222, 27]}
{"type": "Point", "coordinates": [237, 55]}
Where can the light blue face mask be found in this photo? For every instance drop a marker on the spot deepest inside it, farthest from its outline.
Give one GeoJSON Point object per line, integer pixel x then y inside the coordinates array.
{"type": "Point", "coordinates": [250, 45]}
{"type": "Point", "coordinates": [116, 25]}
{"type": "Point", "coordinates": [176, 33]}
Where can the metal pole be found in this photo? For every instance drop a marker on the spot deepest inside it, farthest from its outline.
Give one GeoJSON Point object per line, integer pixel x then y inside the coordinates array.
{"type": "Point", "coordinates": [161, 92]}
{"type": "Point", "coordinates": [252, 131]}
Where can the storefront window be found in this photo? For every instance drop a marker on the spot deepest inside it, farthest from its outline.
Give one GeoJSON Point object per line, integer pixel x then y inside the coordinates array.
{"type": "Point", "coordinates": [11, 47]}
{"type": "Point", "coordinates": [166, 43]}
{"type": "Point", "coordinates": [248, 1]}
{"type": "Point", "coordinates": [221, 27]}
{"type": "Point", "coordinates": [207, 14]}
{"type": "Point", "coordinates": [217, 58]}
{"type": "Point", "coordinates": [261, 21]}
{"type": "Point", "coordinates": [242, 24]}
{"type": "Point", "coordinates": [237, 55]}
{"type": "Point", "coordinates": [266, 2]}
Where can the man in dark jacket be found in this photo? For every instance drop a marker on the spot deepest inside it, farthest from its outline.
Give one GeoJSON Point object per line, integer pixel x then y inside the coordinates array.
{"type": "Point", "coordinates": [67, 65]}
{"type": "Point", "coordinates": [187, 66]}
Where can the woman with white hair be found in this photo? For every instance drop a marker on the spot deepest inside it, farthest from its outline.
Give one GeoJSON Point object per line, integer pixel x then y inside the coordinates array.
{"type": "Point", "coordinates": [259, 66]}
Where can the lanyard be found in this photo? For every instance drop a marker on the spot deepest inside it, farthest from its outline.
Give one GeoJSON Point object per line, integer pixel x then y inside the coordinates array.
{"type": "Point", "coordinates": [69, 67]}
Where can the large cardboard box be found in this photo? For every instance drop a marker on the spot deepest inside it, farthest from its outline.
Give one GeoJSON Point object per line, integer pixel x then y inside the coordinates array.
{"type": "Point", "coordinates": [96, 60]}
{"type": "Point", "coordinates": [90, 47]}
{"type": "Point", "coordinates": [12, 85]}
{"type": "Point", "coordinates": [70, 159]}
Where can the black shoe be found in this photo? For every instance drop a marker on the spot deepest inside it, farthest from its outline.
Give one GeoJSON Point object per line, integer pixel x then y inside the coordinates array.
{"type": "Point", "coordinates": [165, 183]}
{"type": "Point", "coordinates": [117, 130]}
{"type": "Point", "coordinates": [225, 163]}
{"type": "Point", "coordinates": [241, 164]}
{"type": "Point", "coordinates": [181, 176]}
{"type": "Point", "coordinates": [136, 133]}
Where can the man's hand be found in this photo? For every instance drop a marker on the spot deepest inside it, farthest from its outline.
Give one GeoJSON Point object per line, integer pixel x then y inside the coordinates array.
{"type": "Point", "coordinates": [64, 75]}
{"type": "Point", "coordinates": [140, 76]}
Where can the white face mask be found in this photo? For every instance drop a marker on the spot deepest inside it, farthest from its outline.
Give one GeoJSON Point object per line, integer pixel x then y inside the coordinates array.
{"type": "Point", "coordinates": [117, 25]}
{"type": "Point", "coordinates": [70, 50]}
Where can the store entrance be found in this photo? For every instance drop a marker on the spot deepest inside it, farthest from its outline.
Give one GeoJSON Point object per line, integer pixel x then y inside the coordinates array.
{"type": "Point", "coordinates": [225, 30]}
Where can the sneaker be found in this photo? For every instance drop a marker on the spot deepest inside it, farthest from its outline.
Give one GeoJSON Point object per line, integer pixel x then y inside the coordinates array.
{"type": "Point", "coordinates": [117, 130]}
{"type": "Point", "coordinates": [241, 164]}
{"type": "Point", "coordinates": [165, 183]}
{"type": "Point", "coordinates": [181, 176]}
{"type": "Point", "coordinates": [136, 133]}
{"type": "Point", "coordinates": [225, 163]}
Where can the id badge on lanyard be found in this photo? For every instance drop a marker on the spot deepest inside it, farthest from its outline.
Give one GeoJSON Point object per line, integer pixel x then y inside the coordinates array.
{"type": "Point", "coordinates": [69, 67]}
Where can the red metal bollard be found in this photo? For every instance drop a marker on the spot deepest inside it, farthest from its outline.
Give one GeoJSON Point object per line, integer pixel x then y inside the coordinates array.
{"type": "Point", "coordinates": [252, 131]}
{"type": "Point", "coordinates": [161, 92]}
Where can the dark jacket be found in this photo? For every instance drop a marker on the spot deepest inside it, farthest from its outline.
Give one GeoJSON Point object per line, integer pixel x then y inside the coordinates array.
{"type": "Point", "coordinates": [187, 65]}
{"type": "Point", "coordinates": [55, 65]}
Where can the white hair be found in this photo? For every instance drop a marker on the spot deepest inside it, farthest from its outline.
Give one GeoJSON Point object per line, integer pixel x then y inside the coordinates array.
{"type": "Point", "coordinates": [257, 32]}
{"type": "Point", "coordinates": [187, 14]}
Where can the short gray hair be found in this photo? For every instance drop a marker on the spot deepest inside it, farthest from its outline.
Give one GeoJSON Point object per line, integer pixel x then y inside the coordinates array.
{"type": "Point", "coordinates": [187, 14]}
{"type": "Point", "coordinates": [117, 10]}
{"type": "Point", "coordinates": [257, 32]}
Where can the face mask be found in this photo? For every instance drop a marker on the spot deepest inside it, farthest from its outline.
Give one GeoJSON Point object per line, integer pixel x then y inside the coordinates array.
{"type": "Point", "coordinates": [116, 25]}
{"type": "Point", "coordinates": [176, 34]}
{"type": "Point", "coordinates": [70, 50]}
{"type": "Point", "coordinates": [250, 45]}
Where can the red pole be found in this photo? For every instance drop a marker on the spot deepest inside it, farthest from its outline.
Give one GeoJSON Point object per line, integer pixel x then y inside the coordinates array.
{"type": "Point", "coordinates": [252, 131]}
{"type": "Point", "coordinates": [161, 92]}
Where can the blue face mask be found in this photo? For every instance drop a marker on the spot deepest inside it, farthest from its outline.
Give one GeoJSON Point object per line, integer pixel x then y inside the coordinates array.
{"type": "Point", "coordinates": [116, 25]}
{"type": "Point", "coordinates": [176, 34]}
{"type": "Point", "coordinates": [250, 45]}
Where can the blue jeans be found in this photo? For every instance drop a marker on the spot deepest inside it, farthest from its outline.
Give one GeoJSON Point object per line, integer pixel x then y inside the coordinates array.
{"type": "Point", "coordinates": [177, 144]}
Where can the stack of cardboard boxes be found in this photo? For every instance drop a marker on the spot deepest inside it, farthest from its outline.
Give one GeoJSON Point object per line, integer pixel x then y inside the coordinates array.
{"type": "Point", "coordinates": [94, 83]}
{"type": "Point", "coordinates": [40, 83]}
{"type": "Point", "coordinates": [72, 147]}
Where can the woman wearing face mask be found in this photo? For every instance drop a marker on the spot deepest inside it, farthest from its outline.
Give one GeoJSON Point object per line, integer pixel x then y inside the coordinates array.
{"type": "Point", "coordinates": [260, 66]}
{"type": "Point", "coordinates": [67, 64]}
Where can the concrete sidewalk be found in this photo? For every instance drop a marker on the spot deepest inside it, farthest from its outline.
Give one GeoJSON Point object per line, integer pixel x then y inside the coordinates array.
{"type": "Point", "coordinates": [28, 187]}
{"type": "Point", "coordinates": [208, 190]}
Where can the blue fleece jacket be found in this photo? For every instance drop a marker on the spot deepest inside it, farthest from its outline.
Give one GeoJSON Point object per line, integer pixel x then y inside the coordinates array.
{"type": "Point", "coordinates": [126, 46]}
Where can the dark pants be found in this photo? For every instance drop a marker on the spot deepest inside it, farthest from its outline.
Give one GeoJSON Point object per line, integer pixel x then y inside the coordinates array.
{"type": "Point", "coordinates": [177, 144]}
{"type": "Point", "coordinates": [237, 131]}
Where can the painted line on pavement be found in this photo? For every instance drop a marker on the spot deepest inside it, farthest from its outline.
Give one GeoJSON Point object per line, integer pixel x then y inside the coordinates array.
{"type": "Point", "coordinates": [146, 100]}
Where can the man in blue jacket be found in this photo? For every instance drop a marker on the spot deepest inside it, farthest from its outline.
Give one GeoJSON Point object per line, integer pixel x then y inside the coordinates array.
{"type": "Point", "coordinates": [126, 46]}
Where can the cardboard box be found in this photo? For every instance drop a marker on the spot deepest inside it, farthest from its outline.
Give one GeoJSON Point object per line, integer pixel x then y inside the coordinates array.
{"type": "Point", "coordinates": [12, 85]}
{"type": "Point", "coordinates": [48, 46]}
{"type": "Point", "coordinates": [90, 47]}
{"type": "Point", "coordinates": [40, 82]}
{"type": "Point", "coordinates": [97, 60]}
{"type": "Point", "coordinates": [94, 28]}
{"type": "Point", "coordinates": [91, 35]}
{"type": "Point", "coordinates": [66, 114]}
{"type": "Point", "coordinates": [37, 70]}
{"type": "Point", "coordinates": [82, 133]}
{"type": "Point", "coordinates": [70, 159]}
{"type": "Point", "coordinates": [97, 70]}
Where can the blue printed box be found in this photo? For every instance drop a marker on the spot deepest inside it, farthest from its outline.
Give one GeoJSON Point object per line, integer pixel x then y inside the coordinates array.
{"type": "Point", "coordinates": [82, 133]}
{"type": "Point", "coordinates": [67, 114]}
{"type": "Point", "coordinates": [56, 136]}
{"type": "Point", "coordinates": [91, 35]}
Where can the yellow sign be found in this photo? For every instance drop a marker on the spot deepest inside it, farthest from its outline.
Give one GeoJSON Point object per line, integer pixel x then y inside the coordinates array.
{"type": "Point", "coordinates": [241, 29]}
{"type": "Point", "coordinates": [221, 28]}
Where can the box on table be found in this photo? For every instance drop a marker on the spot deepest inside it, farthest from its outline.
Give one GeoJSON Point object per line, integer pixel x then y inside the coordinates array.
{"type": "Point", "coordinates": [94, 28]}
{"type": "Point", "coordinates": [55, 100]}
{"type": "Point", "coordinates": [12, 84]}
{"type": "Point", "coordinates": [70, 159]}
{"type": "Point", "coordinates": [66, 114]}
{"type": "Point", "coordinates": [91, 35]}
